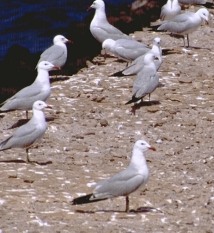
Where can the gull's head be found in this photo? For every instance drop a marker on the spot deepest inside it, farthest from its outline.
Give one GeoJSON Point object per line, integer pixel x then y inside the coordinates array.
{"type": "Point", "coordinates": [107, 44]}
{"type": "Point", "coordinates": [204, 14]}
{"type": "Point", "coordinates": [143, 146]}
{"type": "Point", "coordinates": [46, 65]}
{"type": "Point", "coordinates": [98, 4]}
{"type": "Point", "coordinates": [157, 41]}
{"type": "Point", "coordinates": [59, 39]}
{"type": "Point", "coordinates": [39, 105]}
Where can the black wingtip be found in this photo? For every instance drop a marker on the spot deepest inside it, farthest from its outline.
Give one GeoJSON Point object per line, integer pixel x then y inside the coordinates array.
{"type": "Point", "coordinates": [129, 102]}
{"type": "Point", "coordinates": [82, 200]}
{"type": "Point", "coordinates": [85, 199]}
{"type": "Point", "coordinates": [117, 74]}
{"type": "Point", "coordinates": [133, 100]}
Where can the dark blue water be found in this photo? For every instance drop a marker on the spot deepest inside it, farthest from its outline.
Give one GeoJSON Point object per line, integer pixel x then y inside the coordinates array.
{"type": "Point", "coordinates": [33, 23]}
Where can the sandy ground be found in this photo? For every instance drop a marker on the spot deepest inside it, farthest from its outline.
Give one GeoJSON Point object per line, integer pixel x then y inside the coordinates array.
{"type": "Point", "coordinates": [90, 137]}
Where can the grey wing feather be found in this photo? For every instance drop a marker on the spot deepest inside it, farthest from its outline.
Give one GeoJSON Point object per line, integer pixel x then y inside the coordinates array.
{"type": "Point", "coordinates": [23, 136]}
{"type": "Point", "coordinates": [135, 66]}
{"type": "Point", "coordinates": [25, 98]}
{"type": "Point", "coordinates": [178, 24]}
{"type": "Point", "coordinates": [55, 54]}
{"type": "Point", "coordinates": [146, 82]}
{"type": "Point", "coordinates": [115, 187]}
{"type": "Point", "coordinates": [104, 33]}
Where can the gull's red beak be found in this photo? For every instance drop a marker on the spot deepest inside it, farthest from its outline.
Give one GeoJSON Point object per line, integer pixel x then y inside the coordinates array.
{"type": "Point", "coordinates": [49, 107]}
{"type": "Point", "coordinates": [69, 41]}
{"type": "Point", "coordinates": [89, 8]}
{"type": "Point", "coordinates": [56, 68]}
{"type": "Point", "coordinates": [152, 148]}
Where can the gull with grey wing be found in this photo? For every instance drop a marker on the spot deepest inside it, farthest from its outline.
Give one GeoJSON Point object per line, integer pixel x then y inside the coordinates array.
{"type": "Point", "coordinates": [123, 183]}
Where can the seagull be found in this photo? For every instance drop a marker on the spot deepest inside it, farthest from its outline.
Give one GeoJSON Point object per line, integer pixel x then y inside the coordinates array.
{"type": "Point", "coordinates": [28, 133]}
{"type": "Point", "coordinates": [185, 23]}
{"type": "Point", "coordinates": [100, 28]}
{"type": "Point", "coordinates": [124, 182]}
{"type": "Point", "coordinates": [39, 90]}
{"type": "Point", "coordinates": [126, 49]}
{"type": "Point", "coordinates": [170, 9]}
{"type": "Point", "coordinates": [146, 81]}
{"type": "Point", "coordinates": [137, 64]}
{"type": "Point", "coordinates": [57, 53]}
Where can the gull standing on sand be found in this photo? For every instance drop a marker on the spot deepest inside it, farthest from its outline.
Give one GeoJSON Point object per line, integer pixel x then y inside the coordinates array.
{"type": "Point", "coordinates": [28, 133]}
{"type": "Point", "coordinates": [137, 65]}
{"type": "Point", "coordinates": [185, 23]}
{"type": "Point", "coordinates": [39, 90]}
{"type": "Point", "coordinates": [146, 81]}
{"type": "Point", "coordinates": [57, 53]}
{"type": "Point", "coordinates": [124, 182]}
{"type": "Point", "coordinates": [100, 28]}
{"type": "Point", "coordinates": [170, 10]}
{"type": "Point", "coordinates": [126, 49]}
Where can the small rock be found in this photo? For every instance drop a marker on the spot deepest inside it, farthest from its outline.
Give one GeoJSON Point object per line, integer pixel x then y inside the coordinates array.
{"type": "Point", "coordinates": [78, 136]}
{"type": "Point", "coordinates": [184, 80]}
{"type": "Point", "coordinates": [90, 133]}
{"type": "Point", "coordinates": [103, 122]}
{"type": "Point", "coordinates": [97, 99]}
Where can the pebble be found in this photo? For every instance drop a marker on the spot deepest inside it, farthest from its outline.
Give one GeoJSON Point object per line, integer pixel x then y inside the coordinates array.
{"type": "Point", "coordinates": [104, 122]}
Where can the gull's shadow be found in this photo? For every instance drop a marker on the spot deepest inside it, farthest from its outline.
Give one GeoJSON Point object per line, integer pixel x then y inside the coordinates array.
{"type": "Point", "coordinates": [145, 209]}
{"type": "Point", "coordinates": [42, 163]}
{"type": "Point", "coordinates": [148, 103]}
{"type": "Point", "coordinates": [23, 161]}
{"type": "Point", "coordinates": [190, 47]}
{"type": "Point", "coordinates": [49, 119]}
{"type": "Point", "coordinates": [19, 123]}
{"type": "Point", "coordinates": [135, 107]}
{"type": "Point", "coordinates": [13, 161]}
{"type": "Point", "coordinates": [170, 51]}
{"type": "Point", "coordinates": [196, 47]}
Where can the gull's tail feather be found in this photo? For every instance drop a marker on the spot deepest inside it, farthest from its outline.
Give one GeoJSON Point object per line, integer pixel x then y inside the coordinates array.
{"type": "Point", "coordinates": [133, 100]}
{"type": "Point", "coordinates": [85, 199]}
{"type": "Point", "coordinates": [118, 74]}
{"type": "Point", "coordinates": [3, 145]}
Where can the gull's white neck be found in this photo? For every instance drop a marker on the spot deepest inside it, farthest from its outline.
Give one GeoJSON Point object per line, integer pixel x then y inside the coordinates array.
{"type": "Point", "coordinates": [61, 44]}
{"type": "Point", "coordinates": [175, 4]}
{"type": "Point", "coordinates": [99, 16]}
{"type": "Point", "coordinates": [38, 116]}
{"type": "Point", "coordinates": [150, 66]}
{"type": "Point", "coordinates": [156, 50]}
{"type": "Point", "coordinates": [42, 77]}
{"type": "Point", "coordinates": [138, 161]}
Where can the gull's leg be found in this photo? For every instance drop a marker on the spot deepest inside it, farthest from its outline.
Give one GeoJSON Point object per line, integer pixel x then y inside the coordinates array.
{"type": "Point", "coordinates": [26, 114]}
{"type": "Point", "coordinates": [27, 151]}
{"type": "Point", "coordinates": [184, 40]}
{"type": "Point", "coordinates": [127, 204]}
{"type": "Point", "coordinates": [187, 40]}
